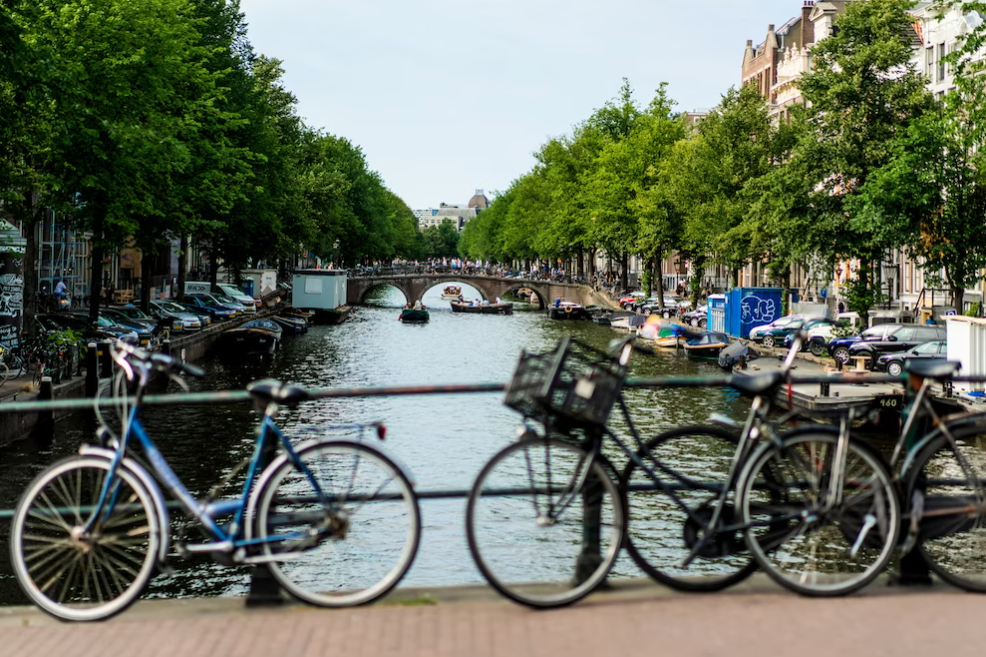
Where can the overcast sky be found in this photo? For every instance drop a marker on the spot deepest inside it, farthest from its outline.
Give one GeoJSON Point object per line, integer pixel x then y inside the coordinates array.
{"type": "Point", "coordinates": [447, 96]}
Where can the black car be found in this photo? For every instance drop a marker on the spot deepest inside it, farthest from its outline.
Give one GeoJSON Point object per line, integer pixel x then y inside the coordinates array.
{"type": "Point", "coordinates": [698, 318]}
{"type": "Point", "coordinates": [929, 351]}
{"type": "Point", "coordinates": [890, 338]}
{"type": "Point", "coordinates": [129, 318]}
{"type": "Point", "coordinates": [90, 333]}
{"type": "Point", "coordinates": [145, 336]}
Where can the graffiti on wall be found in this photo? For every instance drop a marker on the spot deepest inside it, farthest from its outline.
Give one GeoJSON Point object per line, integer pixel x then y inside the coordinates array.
{"type": "Point", "coordinates": [757, 310]}
{"type": "Point", "coordinates": [11, 299]}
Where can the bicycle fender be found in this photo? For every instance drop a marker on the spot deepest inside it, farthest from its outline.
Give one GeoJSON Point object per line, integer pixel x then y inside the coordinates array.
{"type": "Point", "coordinates": [142, 475]}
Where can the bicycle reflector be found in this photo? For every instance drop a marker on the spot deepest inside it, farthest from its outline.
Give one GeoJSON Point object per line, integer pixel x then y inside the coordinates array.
{"type": "Point", "coordinates": [381, 432]}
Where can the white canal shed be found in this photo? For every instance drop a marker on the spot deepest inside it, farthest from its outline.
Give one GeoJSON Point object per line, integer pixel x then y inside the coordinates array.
{"type": "Point", "coordinates": [319, 289]}
{"type": "Point", "coordinates": [967, 345]}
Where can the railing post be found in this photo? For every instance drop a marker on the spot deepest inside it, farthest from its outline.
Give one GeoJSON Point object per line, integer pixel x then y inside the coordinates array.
{"type": "Point", "coordinates": [264, 589]}
{"type": "Point", "coordinates": [92, 370]}
{"type": "Point", "coordinates": [105, 362]}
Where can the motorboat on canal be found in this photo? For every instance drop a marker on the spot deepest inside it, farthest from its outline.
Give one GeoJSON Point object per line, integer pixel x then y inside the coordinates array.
{"type": "Point", "coordinates": [451, 292]}
{"type": "Point", "coordinates": [568, 310]}
{"type": "Point", "coordinates": [707, 346]}
{"type": "Point", "coordinates": [476, 308]}
{"type": "Point", "coordinates": [291, 324]}
{"type": "Point", "coordinates": [258, 337]}
{"type": "Point", "coordinates": [416, 315]}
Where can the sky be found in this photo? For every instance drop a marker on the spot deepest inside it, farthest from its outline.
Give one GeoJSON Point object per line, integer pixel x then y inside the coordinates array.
{"type": "Point", "coordinates": [449, 96]}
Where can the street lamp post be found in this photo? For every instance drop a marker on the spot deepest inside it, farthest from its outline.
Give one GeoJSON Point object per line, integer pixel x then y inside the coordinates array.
{"type": "Point", "coordinates": [890, 273]}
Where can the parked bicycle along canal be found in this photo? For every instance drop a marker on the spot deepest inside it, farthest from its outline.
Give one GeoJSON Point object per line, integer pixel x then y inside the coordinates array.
{"type": "Point", "coordinates": [443, 440]}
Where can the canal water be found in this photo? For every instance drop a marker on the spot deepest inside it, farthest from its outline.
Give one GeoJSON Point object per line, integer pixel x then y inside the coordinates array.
{"type": "Point", "coordinates": [443, 440]}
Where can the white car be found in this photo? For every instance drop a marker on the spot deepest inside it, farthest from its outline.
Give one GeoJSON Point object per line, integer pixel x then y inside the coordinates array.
{"type": "Point", "coordinates": [757, 332]}
{"type": "Point", "coordinates": [239, 296]}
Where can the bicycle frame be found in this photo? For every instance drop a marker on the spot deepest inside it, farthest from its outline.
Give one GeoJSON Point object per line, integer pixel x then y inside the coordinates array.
{"type": "Point", "coordinates": [228, 536]}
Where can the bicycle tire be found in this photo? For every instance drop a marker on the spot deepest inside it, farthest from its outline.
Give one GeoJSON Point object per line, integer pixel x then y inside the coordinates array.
{"type": "Point", "coordinates": [4, 372]}
{"type": "Point", "coordinates": [351, 563]}
{"type": "Point", "coordinates": [660, 534]}
{"type": "Point", "coordinates": [129, 541]}
{"type": "Point", "coordinates": [950, 543]}
{"type": "Point", "coordinates": [536, 556]}
{"type": "Point", "coordinates": [776, 530]}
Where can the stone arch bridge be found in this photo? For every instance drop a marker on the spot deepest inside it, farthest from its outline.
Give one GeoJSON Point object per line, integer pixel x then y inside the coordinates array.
{"type": "Point", "coordinates": [414, 286]}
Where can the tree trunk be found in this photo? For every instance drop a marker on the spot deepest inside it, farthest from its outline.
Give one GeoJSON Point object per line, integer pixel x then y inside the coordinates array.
{"type": "Point", "coordinates": [96, 273]}
{"type": "Point", "coordinates": [734, 275]}
{"type": "Point", "coordinates": [581, 259]}
{"type": "Point", "coordinates": [147, 271]}
{"type": "Point", "coordinates": [625, 271]}
{"type": "Point", "coordinates": [958, 297]}
{"type": "Point", "coordinates": [182, 269]}
{"type": "Point", "coordinates": [29, 266]}
{"type": "Point", "coordinates": [660, 280]}
{"type": "Point", "coordinates": [592, 262]}
{"type": "Point", "coordinates": [213, 268]}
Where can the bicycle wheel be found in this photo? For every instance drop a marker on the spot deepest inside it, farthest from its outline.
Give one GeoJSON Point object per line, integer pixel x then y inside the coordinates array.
{"type": "Point", "coordinates": [807, 538]}
{"type": "Point", "coordinates": [661, 534]}
{"type": "Point", "coordinates": [4, 372]}
{"type": "Point", "coordinates": [83, 576]}
{"type": "Point", "coordinates": [349, 541]}
{"type": "Point", "coordinates": [953, 529]}
{"type": "Point", "coordinates": [532, 519]}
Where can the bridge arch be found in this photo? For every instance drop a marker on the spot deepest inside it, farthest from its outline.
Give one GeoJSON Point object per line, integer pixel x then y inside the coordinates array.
{"type": "Point", "coordinates": [378, 284]}
{"type": "Point", "coordinates": [476, 285]}
{"type": "Point", "coordinates": [514, 286]}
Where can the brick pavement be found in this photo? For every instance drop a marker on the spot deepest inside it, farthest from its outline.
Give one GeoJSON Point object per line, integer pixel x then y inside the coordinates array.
{"type": "Point", "coordinates": [634, 620]}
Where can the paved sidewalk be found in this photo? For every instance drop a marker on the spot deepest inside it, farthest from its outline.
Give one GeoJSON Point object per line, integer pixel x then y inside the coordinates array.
{"type": "Point", "coordinates": [633, 619]}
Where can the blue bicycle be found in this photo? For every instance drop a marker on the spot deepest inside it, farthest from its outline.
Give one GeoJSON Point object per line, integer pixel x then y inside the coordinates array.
{"type": "Point", "coordinates": [335, 519]}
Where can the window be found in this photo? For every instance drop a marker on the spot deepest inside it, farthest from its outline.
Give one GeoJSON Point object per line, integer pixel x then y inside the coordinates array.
{"type": "Point", "coordinates": [929, 63]}
{"type": "Point", "coordinates": [941, 62]}
{"type": "Point", "coordinates": [904, 334]}
{"type": "Point", "coordinates": [930, 333]}
{"type": "Point", "coordinates": [874, 333]}
{"type": "Point", "coordinates": [928, 348]}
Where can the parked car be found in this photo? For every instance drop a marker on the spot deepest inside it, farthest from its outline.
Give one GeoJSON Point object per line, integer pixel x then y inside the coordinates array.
{"type": "Point", "coordinates": [631, 298]}
{"type": "Point", "coordinates": [757, 332]}
{"type": "Point", "coordinates": [239, 296]}
{"type": "Point", "coordinates": [81, 324]}
{"type": "Point", "coordinates": [896, 338]}
{"type": "Point", "coordinates": [936, 350]}
{"type": "Point", "coordinates": [698, 318]}
{"type": "Point", "coordinates": [145, 336]}
{"type": "Point", "coordinates": [820, 333]}
{"type": "Point", "coordinates": [783, 335]}
{"type": "Point", "coordinates": [216, 310]}
{"type": "Point", "coordinates": [122, 314]}
{"type": "Point", "coordinates": [222, 300]}
{"type": "Point", "coordinates": [182, 320]}
{"type": "Point", "coordinates": [651, 306]}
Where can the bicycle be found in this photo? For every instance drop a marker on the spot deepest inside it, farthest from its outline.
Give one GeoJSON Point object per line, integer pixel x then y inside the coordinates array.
{"type": "Point", "coordinates": [89, 533]}
{"type": "Point", "coordinates": [526, 494]}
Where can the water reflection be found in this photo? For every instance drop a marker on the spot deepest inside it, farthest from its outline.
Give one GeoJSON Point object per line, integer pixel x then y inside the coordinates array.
{"type": "Point", "coordinates": [442, 440]}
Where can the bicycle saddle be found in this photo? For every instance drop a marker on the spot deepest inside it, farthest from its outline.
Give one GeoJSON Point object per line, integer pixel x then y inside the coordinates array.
{"type": "Point", "coordinates": [273, 390]}
{"type": "Point", "coordinates": [756, 385]}
{"type": "Point", "coordinates": [932, 370]}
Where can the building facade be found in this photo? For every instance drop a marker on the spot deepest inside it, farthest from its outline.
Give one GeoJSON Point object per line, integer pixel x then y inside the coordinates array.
{"type": "Point", "coordinates": [457, 214]}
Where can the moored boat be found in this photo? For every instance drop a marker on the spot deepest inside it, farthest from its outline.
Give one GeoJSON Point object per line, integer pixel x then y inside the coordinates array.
{"type": "Point", "coordinates": [291, 324]}
{"type": "Point", "coordinates": [414, 316]}
{"type": "Point", "coordinates": [501, 308]}
{"type": "Point", "coordinates": [451, 292]}
{"type": "Point", "coordinates": [256, 337]}
{"type": "Point", "coordinates": [568, 310]}
{"type": "Point", "coordinates": [706, 346]}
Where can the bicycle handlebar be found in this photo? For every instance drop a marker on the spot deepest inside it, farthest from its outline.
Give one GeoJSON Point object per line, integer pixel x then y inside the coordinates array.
{"type": "Point", "coordinates": [158, 362]}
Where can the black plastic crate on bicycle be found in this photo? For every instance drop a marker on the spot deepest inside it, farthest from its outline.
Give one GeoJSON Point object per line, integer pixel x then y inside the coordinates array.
{"type": "Point", "coordinates": [573, 381]}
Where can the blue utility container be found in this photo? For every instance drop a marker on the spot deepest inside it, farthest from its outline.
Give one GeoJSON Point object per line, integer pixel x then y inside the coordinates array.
{"type": "Point", "coordinates": [717, 313]}
{"type": "Point", "coordinates": [747, 307]}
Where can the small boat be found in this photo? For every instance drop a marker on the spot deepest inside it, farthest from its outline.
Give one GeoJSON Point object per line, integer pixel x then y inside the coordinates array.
{"type": "Point", "coordinates": [451, 292]}
{"type": "Point", "coordinates": [414, 316]}
{"type": "Point", "coordinates": [568, 310]}
{"type": "Point", "coordinates": [481, 309]}
{"type": "Point", "coordinates": [706, 346]}
{"type": "Point", "coordinates": [736, 354]}
{"type": "Point", "coordinates": [629, 322]}
{"type": "Point", "coordinates": [306, 315]}
{"type": "Point", "coordinates": [291, 324]}
{"type": "Point", "coordinates": [256, 337]}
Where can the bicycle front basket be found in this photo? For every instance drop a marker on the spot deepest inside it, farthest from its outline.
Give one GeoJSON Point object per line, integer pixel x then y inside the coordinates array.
{"type": "Point", "coordinates": [574, 381]}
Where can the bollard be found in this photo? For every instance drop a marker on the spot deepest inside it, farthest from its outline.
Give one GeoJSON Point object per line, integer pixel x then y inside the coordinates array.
{"type": "Point", "coordinates": [46, 419]}
{"type": "Point", "coordinates": [92, 370]}
{"type": "Point", "coordinates": [105, 362]}
{"type": "Point", "coordinates": [824, 389]}
{"type": "Point", "coordinates": [591, 555]}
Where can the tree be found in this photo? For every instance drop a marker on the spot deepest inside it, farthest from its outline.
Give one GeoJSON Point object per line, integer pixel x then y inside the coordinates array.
{"type": "Point", "coordinates": [933, 190]}
{"type": "Point", "coordinates": [862, 93]}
